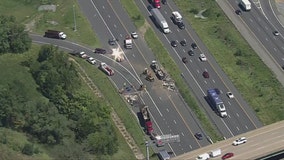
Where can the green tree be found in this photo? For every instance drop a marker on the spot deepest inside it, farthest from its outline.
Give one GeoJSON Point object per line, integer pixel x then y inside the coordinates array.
{"type": "Point", "coordinates": [103, 142]}
{"type": "Point", "coordinates": [13, 37]}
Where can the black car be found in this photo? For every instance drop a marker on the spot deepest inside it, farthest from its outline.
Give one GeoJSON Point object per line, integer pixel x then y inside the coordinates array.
{"type": "Point", "coordinates": [100, 51]}
{"type": "Point", "coordinates": [276, 33]}
{"type": "Point", "coordinates": [198, 135]}
{"type": "Point", "coordinates": [174, 43]}
{"type": "Point", "coordinates": [184, 60]}
{"type": "Point", "coordinates": [181, 25]}
{"type": "Point", "coordinates": [112, 41]}
{"type": "Point", "coordinates": [193, 45]}
{"type": "Point", "coordinates": [205, 74]}
{"type": "Point", "coordinates": [283, 67]}
{"type": "Point", "coordinates": [191, 53]}
{"type": "Point", "coordinates": [238, 12]}
{"type": "Point", "coordinates": [183, 42]}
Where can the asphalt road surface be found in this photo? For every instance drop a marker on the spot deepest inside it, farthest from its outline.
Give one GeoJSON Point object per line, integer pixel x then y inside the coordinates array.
{"type": "Point", "coordinates": [241, 117]}
{"type": "Point", "coordinates": [168, 110]}
{"type": "Point", "coordinates": [260, 142]}
{"type": "Point", "coordinates": [258, 29]}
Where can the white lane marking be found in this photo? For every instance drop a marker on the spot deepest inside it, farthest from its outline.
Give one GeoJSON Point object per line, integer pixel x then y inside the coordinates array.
{"type": "Point", "coordinates": [213, 80]}
{"type": "Point", "coordinates": [237, 114]}
{"type": "Point", "coordinates": [175, 122]}
{"type": "Point", "coordinates": [246, 126]}
{"type": "Point", "coordinates": [229, 103]}
{"type": "Point", "coordinates": [167, 110]}
{"type": "Point", "coordinates": [238, 128]}
{"type": "Point", "coordinates": [182, 134]}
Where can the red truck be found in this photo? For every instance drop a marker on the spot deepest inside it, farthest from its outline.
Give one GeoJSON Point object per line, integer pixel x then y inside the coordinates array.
{"type": "Point", "coordinates": [157, 3]}
{"type": "Point", "coordinates": [146, 116]}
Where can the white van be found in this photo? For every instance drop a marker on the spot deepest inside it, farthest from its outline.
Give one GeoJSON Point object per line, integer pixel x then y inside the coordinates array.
{"type": "Point", "coordinates": [177, 17]}
{"type": "Point", "coordinates": [203, 156]}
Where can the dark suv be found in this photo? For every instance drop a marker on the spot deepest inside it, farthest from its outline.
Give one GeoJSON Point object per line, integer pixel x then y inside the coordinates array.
{"type": "Point", "coordinates": [100, 51]}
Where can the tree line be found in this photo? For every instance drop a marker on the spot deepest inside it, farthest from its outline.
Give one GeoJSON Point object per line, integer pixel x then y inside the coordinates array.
{"type": "Point", "coordinates": [68, 116]}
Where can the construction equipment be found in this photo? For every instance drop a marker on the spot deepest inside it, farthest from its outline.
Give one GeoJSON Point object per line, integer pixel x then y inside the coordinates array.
{"type": "Point", "coordinates": [148, 74]}
{"type": "Point", "coordinates": [158, 71]}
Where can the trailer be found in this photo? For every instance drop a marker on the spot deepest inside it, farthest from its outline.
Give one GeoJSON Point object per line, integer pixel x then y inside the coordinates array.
{"type": "Point", "coordinates": [160, 20]}
{"type": "Point", "coordinates": [146, 117]}
{"type": "Point", "coordinates": [216, 102]}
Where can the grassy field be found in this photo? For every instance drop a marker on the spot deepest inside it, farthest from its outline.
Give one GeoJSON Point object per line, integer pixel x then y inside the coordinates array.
{"type": "Point", "coordinates": [250, 75]}
{"type": "Point", "coordinates": [26, 12]}
{"type": "Point", "coordinates": [132, 9]}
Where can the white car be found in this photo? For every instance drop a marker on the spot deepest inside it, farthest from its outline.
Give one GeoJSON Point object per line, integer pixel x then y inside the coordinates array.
{"type": "Point", "coordinates": [203, 57]}
{"type": "Point", "coordinates": [92, 60]}
{"type": "Point", "coordinates": [83, 54]}
{"type": "Point", "coordinates": [240, 141]}
{"type": "Point", "coordinates": [134, 35]}
{"type": "Point", "coordinates": [230, 95]}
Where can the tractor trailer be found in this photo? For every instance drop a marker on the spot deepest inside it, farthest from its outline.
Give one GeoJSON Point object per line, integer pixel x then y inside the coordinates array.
{"type": "Point", "coordinates": [216, 102]}
{"type": "Point", "coordinates": [160, 20]}
{"type": "Point", "coordinates": [146, 117]}
{"type": "Point", "coordinates": [55, 34]}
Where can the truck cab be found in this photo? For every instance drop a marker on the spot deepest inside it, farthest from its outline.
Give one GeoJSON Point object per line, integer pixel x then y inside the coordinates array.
{"type": "Point", "coordinates": [157, 3]}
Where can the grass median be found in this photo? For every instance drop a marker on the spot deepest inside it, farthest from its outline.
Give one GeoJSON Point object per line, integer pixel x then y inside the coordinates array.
{"type": "Point", "coordinates": [257, 84]}
{"type": "Point", "coordinates": [160, 52]}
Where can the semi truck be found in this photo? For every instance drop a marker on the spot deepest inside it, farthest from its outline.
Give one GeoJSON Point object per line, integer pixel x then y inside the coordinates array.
{"type": "Point", "coordinates": [160, 20]}
{"type": "Point", "coordinates": [146, 117]}
{"type": "Point", "coordinates": [128, 42]}
{"type": "Point", "coordinates": [55, 34]}
{"type": "Point", "coordinates": [246, 5]}
{"type": "Point", "coordinates": [216, 102]}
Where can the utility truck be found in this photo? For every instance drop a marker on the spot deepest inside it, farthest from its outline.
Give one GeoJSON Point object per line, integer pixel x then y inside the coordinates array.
{"type": "Point", "coordinates": [55, 34]}
{"type": "Point", "coordinates": [216, 102]}
{"type": "Point", "coordinates": [246, 5]}
{"type": "Point", "coordinates": [160, 20]}
{"type": "Point", "coordinates": [215, 153]}
{"type": "Point", "coordinates": [128, 42]}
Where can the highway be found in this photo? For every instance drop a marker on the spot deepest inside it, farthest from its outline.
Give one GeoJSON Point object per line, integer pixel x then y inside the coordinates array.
{"type": "Point", "coordinates": [260, 25]}
{"type": "Point", "coordinates": [169, 112]}
{"type": "Point", "coordinates": [241, 117]}
{"type": "Point", "coordinates": [260, 142]}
